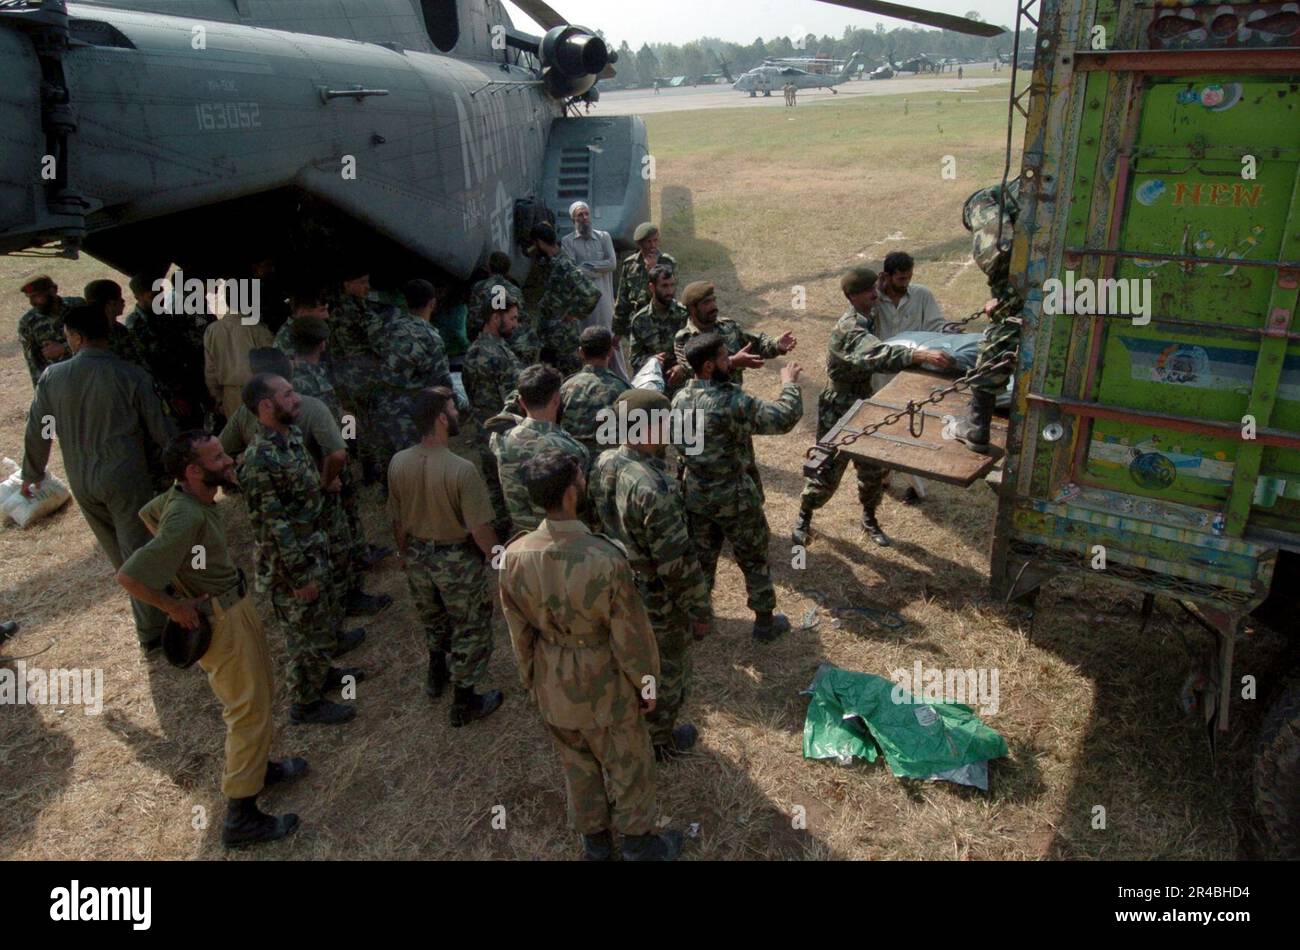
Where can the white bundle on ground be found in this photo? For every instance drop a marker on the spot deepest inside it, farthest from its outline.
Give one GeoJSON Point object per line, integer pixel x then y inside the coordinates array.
{"type": "Point", "coordinates": [7, 467]}
{"type": "Point", "coordinates": [650, 376]}
{"type": "Point", "coordinates": [49, 497]}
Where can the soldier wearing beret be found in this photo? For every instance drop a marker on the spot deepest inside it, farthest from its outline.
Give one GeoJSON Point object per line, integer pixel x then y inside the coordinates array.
{"type": "Point", "coordinates": [40, 329]}
{"type": "Point", "coordinates": [854, 354]}
{"type": "Point", "coordinates": [655, 326]}
{"type": "Point", "coordinates": [723, 499]}
{"type": "Point", "coordinates": [640, 506]}
{"type": "Point", "coordinates": [163, 574]}
{"type": "Point", "coordinates": [491, 372]}
{"type": "Point", "coordinates": [748, 349]}
{"type": "Point", "coordinates": [587, 654]}
{"type": "Point", "coordinates": [524, 341]}
{"type": "Point", "coordinates": [634, 277]}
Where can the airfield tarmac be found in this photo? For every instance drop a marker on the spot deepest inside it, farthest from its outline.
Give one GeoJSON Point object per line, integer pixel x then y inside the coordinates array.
{"type": "Point", "coordinates": [722, 96]}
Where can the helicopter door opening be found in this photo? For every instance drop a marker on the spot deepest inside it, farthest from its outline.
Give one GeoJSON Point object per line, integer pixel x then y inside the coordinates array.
{"type": "Point", "coordinates": [442, 21]}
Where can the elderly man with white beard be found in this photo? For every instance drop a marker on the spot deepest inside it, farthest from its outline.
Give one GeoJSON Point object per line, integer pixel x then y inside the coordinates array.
{"type": "Point", "coordinates": [593, 252]}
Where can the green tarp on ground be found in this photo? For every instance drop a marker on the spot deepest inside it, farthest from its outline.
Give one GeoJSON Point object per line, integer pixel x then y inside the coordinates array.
{"type": "Point", "coordinates": [850, 714]}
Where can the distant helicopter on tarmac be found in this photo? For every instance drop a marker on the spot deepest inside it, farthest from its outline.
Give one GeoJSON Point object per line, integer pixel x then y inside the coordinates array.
{"type": "Point", "coordinates": [766, 78]}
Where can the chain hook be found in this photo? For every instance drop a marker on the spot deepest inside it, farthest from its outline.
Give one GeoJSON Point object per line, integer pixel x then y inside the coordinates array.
{"type": "Point", "coordinates": [914, 412]}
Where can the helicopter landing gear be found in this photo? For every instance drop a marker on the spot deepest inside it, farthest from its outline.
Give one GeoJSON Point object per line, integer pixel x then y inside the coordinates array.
{"type": "Point", "coordinates": [835, 92]}
{"type": "Point", "coordinates": [767, 93]}
{"type": "Point", "coordinates": [753, 94]}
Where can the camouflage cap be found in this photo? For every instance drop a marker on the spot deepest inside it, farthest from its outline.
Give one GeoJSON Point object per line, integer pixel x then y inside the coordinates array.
{"type": "Point", "coordinates": [39, 285]}
{"type": "Point", "coordinates": [697, 293]}
{"type": "Point", "coordinates": [646, 399]}
{"type": "Point", "coordinates": [643, 231]}
{"type": "Point", "coordinates": [858, 279]}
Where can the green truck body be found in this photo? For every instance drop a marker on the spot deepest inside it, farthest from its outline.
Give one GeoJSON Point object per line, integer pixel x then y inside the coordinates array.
{"type": "Point", "coordinates": [1155, 431]}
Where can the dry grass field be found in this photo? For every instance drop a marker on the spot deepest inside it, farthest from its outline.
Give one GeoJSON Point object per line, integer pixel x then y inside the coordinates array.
{"type": "Point", "coordinates": [761, 201]}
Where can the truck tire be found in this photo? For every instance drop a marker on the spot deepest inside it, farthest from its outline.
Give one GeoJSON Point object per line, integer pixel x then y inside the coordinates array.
{"type": "Point", "coordinates": [1277, 772]}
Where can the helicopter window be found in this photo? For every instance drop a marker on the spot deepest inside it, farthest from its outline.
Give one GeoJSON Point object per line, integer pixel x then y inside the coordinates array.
{"type": "Point", "coordinates": [98, 33]}
{"type": "Point", "coordinates": [442, 22]}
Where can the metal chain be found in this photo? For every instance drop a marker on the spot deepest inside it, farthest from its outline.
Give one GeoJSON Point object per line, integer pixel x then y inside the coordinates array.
{"type": "Point", "coordinates": [914, 407]}
{"type": "Point", "coordinates": [956, 325]}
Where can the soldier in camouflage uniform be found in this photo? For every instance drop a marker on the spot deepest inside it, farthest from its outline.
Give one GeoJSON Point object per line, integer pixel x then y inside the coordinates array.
{"type": "Point", "coordinates": [490, 373]}
{"type": "Point", "coordinates": [282, 489]}
{"type": "Point", "coordinates": [590, 390]}
{"type": "Point", "coordinates": [748, 348]}
{"type": "Point", "coordinates": [722, 499]}
{"type": "Point", "coordinates": [440, 512]}
{"type": "Point", "coordinates": [641, 507]}
{"type": "Point", "coordinates": [107, 295]}
{"type": "Point", "coordinates": [539, 392]}
{"type": "Point", "coordinates": [655, 326]}
{"type": "Point", "coordinates": [634, 278]}
{"type": "Point", "coordinates": [354, 367]}
{"type": "Point", "coordinates": [588, 656]}
{"type": "Point", "coordinates": [855, 353]}
{"type": "Point", "coordinates": [525, 341]}
{"type": "Point", "coordinates": [311, 304]}
{"type": "Point", "coordinates": [172, 347]}
{"type": "Point", "coordinates": [411, 358]}
{"type": "Point", "coordinates": [40, 329]}
{"type": "Point", "coordinates": [984, 212]}
{"type": "Point", "coordinates": [308, 338]}
{"type": "Point", "coordinates": [568, 297]}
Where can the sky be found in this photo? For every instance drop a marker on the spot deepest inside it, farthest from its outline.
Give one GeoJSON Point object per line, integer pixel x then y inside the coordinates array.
{"type": "Point", "coordinates": [680, 21]}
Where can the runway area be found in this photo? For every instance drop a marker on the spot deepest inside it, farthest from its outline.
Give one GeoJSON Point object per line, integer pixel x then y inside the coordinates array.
{"type": "Point", "coordinates": [721, 96]}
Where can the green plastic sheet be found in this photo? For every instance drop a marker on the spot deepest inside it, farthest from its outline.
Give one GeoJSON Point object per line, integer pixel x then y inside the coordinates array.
{"type": "Point", "coordinates": [852, 714]}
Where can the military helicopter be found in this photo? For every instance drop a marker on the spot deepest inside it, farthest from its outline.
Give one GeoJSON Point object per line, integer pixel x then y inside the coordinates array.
{"type": "Point", "coordinates": [420, 134]}
{"type": "Point", "coordinates": [766, 78]}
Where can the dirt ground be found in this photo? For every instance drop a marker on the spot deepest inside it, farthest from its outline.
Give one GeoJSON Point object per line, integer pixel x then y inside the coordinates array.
{"type": "Point", "coordinates": [762, 202]}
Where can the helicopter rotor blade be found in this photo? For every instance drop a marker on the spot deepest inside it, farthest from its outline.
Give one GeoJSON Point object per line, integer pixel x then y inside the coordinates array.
{"type": "Point", "coordinates": [944, 21]}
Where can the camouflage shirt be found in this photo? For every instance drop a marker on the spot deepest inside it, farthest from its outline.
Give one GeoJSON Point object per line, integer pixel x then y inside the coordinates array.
{"type": "Point", "coordinates": [641, 507]}
{"type": "Point", "coordinates": [736, 337]}
{"type": "Point", "coordinates": [35, 329]}
{"type": "Point", "coordinates": [719, 476]}
{"type": "Point", "coordinates": [310, 379]}
{"type": "Point", "coordinates": [634, 289]}
{"type": "Point", "coordinates": [855, 353]}
{"type": "Point", "coordinates": [171, 346]}
{"type": "Point", "coordinates": [582, 396]}
{"type": "Point", "coordinates": [654, 330]}
{"type": "Point", "coordinates": [281, 487]}
{"type": "Point", "coordinates": [411, 354]}
{"type": "Point", "coordinates": [490, 374]}
{"type": "Point", "coordinates": [579, 630]}
{"type": "Point", "coordinates": [567, 292]}
{"type": "Point", "coordinates": [353, 364]}
{"type": "Point", "coordinates": [517, 446]}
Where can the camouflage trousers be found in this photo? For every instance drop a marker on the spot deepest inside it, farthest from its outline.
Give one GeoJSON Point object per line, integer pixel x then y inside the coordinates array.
{"type": "Point", "coordinates": [743, 523]}
{"type": "Point", "coordinates": [338, 532]}
{"type": "Point", "coordinates": [351, 500]}
{"type": "Point", "coordinates": [359, 397]}
{"type": "Point", "coordinates": [817, 490]}
{"type": "Point", "coordinates": [310, 632]}
{"type": "Point", "coordinates": [560, 346]}
{"type": "Point", "coordinates": [609, 773]}
{"type": "Point", "coordinates": [449, 584]}
{"type": "Point", "coordinates": [1000, 340]}
{"type": "Point", "coordinates": [398, 422]}
{"type": "Point", "coordinates": [671, 626]}
{"type": "Point", "coordinates": [492, 476]}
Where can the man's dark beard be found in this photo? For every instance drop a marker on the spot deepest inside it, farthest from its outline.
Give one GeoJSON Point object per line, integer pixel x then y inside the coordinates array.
{"type": "Point", "coordinates": [453, 428]}
{"type": "Point", "coordinates": [664, 302]}
{"type": "Point", "coordinates": [218, 479]}
{"type": "Point", "coordinates": [284, 416]}
{"type": "Point", "coordinates": [721, 376]}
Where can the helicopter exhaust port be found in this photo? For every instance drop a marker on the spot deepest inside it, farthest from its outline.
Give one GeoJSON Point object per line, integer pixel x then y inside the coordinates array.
{"type": "Point", "coordinates": [572, 58]}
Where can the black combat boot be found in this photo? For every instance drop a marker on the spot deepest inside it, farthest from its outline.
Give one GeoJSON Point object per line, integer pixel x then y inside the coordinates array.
{"type": "Point", "coordinates": [598, 847]}
{"type": "Point", "coordinates": [470, 705]}
{"type": "Point", "coordinates": [322, 712]}
{"type": "Point", "coordinates": [664, 847]}
{"type": "Point", "coordinates": [769, 626]}
{"type": "Point", "coordinates": [682, 740]}
{"type": "Point", "coordinates": [348, 642]}
{"type": "Point", "coordinates": [873, 529]}
{"type": "Point", "coordinates": [8, 629]}
{"type": "Point", "coordinates": [360, 604]}
{"type": "Point", "coordinates": [247, 824]}
{"type": "Point", "coordinates": [334, 678]}
{"type": "Point", "coordinates": [286, 770]}
{"type": "Point", "coordinates": [973, 431]}
{"type": "Point", "coordinates": [436, 680]}
{"type": "Point", "coordinates": [802, 527]}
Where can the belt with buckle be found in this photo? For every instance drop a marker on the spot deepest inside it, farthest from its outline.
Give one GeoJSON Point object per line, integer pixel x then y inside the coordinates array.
{"type": "Point", "coordinates": [229, 598]}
